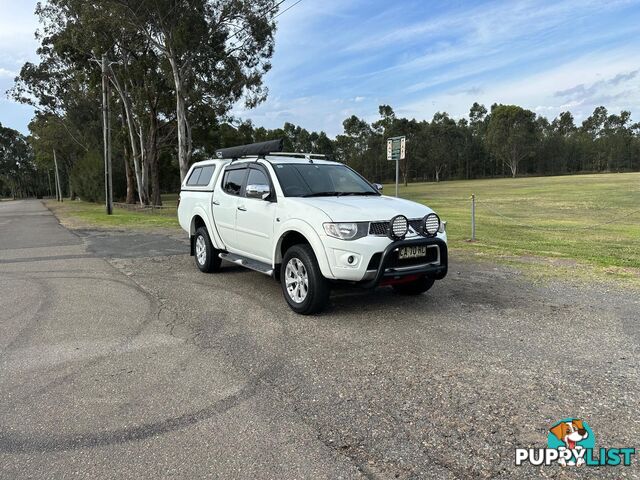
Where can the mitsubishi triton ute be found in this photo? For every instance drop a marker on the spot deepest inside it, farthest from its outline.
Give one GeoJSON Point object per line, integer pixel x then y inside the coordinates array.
{"type": "Point", "coordinates": [309, 223]}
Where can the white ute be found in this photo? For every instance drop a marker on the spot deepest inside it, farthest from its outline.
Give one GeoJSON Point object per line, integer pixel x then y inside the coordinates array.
{"type": "Point", "coordinates": [308, 222]}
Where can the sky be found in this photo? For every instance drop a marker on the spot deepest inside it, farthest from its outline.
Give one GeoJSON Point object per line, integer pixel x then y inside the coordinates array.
{"type": "Point", "coordinates": [336, 58]}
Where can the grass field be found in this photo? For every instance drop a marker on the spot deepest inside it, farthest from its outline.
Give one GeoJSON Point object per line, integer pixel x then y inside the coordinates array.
{"type": "Point", "coordinates": [544, 221]}
{"type": "Point", "coordinates": [79, 214]}
{"type": "Point", "coordinates": [550, 217]}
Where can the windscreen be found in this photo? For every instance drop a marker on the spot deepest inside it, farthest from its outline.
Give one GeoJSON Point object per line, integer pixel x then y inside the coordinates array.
{"type": "Point", "coordinates": [317, 180]}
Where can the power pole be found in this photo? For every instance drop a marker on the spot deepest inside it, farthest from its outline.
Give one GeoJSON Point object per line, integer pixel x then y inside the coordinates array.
{"type": "Point", "coordinates": [106, 134]}
{"type": "Point", "coordinates": [57, 178]}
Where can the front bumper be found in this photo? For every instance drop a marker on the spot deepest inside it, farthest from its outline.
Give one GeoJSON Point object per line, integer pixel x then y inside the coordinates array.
{"type": "Point", "coordinates": [388, 271]}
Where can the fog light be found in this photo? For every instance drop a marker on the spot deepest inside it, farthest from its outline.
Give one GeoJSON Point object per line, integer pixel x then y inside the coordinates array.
{"type": "Point", "coordinates": [431, 225]}
{"type": "Point", "coordinates": [399, 227]}
{"type": "Point", "coordinates": [350, 259]}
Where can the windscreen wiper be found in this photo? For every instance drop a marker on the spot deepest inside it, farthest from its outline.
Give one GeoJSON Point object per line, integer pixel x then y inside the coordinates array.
{"type": "Point", "coordinates": [338, 194]}
{"type": "Point", "coordinates": [324, 194]}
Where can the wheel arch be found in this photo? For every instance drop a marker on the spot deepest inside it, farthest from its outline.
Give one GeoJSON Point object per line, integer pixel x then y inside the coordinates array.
{"type": "Point", "coordinates": [196, 222]}
{"type": "Point", "coordinates": [297, 232]}
{"type": "Point", "coordinates": [200, 218]}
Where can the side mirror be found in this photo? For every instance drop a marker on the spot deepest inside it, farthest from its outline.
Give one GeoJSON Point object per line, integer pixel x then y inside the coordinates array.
{"type": "Point", "coordinates": [378, 186]}
{"type": "Point", "coordinates": [260, 192]}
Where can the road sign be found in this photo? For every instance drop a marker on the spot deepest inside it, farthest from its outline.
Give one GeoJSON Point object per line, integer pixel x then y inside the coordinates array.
{"type": "Point", "coordinates": [396, 148]}
{"type": "Point", "coordinates": [396, 152]}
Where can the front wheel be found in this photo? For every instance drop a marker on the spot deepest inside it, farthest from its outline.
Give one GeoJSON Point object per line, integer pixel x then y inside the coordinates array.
{"type": "Point", "coordinates": [305, 289]}
{"type": "Point", "coordinates": [415, 287]}
{"type": "Point", "coordinates": [207, 259]}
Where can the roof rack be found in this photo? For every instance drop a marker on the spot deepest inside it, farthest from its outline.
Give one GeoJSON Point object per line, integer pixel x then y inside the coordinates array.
{"type": "Point", "coordinates": [308, 156]}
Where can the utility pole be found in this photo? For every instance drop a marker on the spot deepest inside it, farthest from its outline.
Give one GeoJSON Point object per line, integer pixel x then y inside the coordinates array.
{"type": "Point", "coordinates": [106, 134]}
{"type": "Point", "coordinates": [57, 178]}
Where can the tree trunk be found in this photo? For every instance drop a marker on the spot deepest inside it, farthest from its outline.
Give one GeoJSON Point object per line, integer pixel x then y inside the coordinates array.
{"type": "Point", "coordinates": [72, 193]}
{"type": "Point", "coordinates": [144, 160]}
{"type": "Point", "coordinates": [128, 173]}
{"type": "Point", "coordinates": [153, 158]}
{"type": "Point", "coordinates": [68, 166]}
{"type": "Point", "coordinates": [184, 133]}
{"type": "Point", "coordinates": [405, 173]}
{"type": "Point", "coordinates": [124, 96]}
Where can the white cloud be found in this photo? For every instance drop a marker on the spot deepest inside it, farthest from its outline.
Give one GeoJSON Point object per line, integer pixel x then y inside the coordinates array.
{"type": "Point", "coordinates": [605, 77]}
{"type": "Point", "coordinates": [4, 73]}
{"type": "Point", "coordinates": [486, 23]}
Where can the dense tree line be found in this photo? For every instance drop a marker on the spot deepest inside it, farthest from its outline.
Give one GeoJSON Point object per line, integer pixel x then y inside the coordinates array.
{"type": "Point", "coordinates": [176, 69]}
{"type": "Point", "coordinates": [19, 175]}
{"type": "Point", "coordinates": [506, 141]}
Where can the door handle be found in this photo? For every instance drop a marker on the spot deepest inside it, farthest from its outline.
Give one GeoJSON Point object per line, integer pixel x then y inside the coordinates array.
{"type": "Point", "coordinates": [242, 208]}
{"type": "Point", "coordinates": [215, 202]}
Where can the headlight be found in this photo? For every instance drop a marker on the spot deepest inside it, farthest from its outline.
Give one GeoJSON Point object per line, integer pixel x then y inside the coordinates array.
{"type": "Point", "coordinates": [346, 231]}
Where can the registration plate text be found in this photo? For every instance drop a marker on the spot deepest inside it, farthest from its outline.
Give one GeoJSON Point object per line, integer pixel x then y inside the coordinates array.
{"type": "Point", "coordinates": [412, 252]}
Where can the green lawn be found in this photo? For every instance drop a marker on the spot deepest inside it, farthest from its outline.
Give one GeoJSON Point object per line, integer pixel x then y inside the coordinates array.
{"type": "Point", "coordinates": [547, 216]}
{"type": "Point", "coordinates": [537, 220]}
{"type": "Point", "coordinates": [79, 214]}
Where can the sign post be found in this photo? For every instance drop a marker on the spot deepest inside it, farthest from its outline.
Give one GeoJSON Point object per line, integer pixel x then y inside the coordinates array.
{"type": "Point", "coordinates": [396, 147]}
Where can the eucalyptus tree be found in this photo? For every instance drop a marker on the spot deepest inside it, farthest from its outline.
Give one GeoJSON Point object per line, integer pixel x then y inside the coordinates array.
{"type": "Point", "coordinates": [74, 36]}
{"type": "Point", "coordinates": [18, 173]}
{"type": "Point", "coordinates": [512, 135]}
{"type": "Point", "coordinates": [62, 98]}
{"type": "Point", "coordinates": [217, 53]}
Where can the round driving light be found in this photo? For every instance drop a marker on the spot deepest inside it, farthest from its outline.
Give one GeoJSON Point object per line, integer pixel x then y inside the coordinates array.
{"type": "Point", "coordinates": [399, 227]}
{"type": "Point", "coordinates": [350, 259]}
{"type": "Point", "coordinates": [431, 224]}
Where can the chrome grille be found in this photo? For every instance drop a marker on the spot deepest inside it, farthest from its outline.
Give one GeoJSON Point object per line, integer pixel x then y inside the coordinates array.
{"type": "Point", "coordinates": [382, 228]}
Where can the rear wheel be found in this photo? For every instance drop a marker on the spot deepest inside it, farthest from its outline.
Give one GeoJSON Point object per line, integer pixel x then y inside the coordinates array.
{"type": "Point", "coordinates": [206, 256]}
{"type": "Point", "coordinates": [415, 287]}
{"type": "Point", "coordinates": [304, 288]}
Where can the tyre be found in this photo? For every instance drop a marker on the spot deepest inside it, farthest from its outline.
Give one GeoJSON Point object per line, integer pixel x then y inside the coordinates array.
{"type": "Point", "coordinates": [416, 287]}
{"type": "Point", "coordinates": [207, 259]}
{"type": "Point", "coordinates": [304, 288]}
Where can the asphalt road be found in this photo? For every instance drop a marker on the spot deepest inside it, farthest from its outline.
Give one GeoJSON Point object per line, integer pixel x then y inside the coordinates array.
{"type": "Point", "coordinates": [118, 359]}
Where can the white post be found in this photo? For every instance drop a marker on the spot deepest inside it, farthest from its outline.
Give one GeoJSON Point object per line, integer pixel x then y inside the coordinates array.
{"type": "Point", "coordinates": [473, 217]}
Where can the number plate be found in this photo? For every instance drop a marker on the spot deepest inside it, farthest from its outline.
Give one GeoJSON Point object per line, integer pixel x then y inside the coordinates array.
{"type": "Point", "coordinates": [412, 252]}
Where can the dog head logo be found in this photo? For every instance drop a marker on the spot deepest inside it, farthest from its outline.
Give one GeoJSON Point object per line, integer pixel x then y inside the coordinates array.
{"type": "Point", "coordinates": [570, 433]}
{"type": "Point", "coordinates": [573, 435]}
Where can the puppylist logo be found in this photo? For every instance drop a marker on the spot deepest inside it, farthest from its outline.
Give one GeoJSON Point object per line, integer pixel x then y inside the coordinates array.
{"type": "Point", "coordinates": [572, 442]}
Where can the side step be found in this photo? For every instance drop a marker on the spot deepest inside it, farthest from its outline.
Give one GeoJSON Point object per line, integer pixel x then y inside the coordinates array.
{"type": "Point", "coordinates": [248, 263]}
